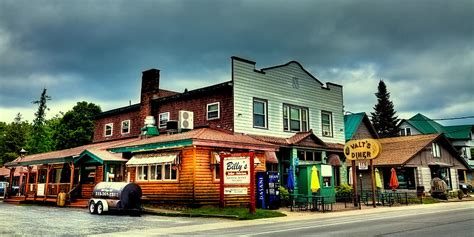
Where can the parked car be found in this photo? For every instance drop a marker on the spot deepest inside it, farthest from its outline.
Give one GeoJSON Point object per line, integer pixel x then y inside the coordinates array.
{"type": "Point", "coordinates": [120, 196]}
{"type": "Point", "coordinates": [3, 189]}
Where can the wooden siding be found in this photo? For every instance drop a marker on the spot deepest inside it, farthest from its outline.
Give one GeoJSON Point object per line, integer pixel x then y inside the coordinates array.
{"type": "Point", "coordinates": [413, 130]}
{"type": "Point", "coordinates": [362, 132]}
{"type": "Point", "coordinates": [425, 157]}
{"type": "Point", "coordinates": [275, 85]}
{"type": "Point", "coordinates": [195, 184]}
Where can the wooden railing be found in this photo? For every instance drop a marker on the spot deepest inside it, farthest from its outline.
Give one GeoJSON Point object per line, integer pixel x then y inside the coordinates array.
{"type": "Point", "coordinates": [55, 189]}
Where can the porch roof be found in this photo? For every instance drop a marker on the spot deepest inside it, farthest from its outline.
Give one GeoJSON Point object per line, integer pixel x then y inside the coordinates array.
{"type": "Point", "coordinates": [66, 155]}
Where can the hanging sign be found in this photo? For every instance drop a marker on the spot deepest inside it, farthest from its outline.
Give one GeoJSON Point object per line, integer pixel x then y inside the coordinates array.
{"type": "Point", "coordinates": [362, 165]}
{"type": "Point", "coordinates": [237, 170]}
{"type": "Point", "coordinates": [364, 149]}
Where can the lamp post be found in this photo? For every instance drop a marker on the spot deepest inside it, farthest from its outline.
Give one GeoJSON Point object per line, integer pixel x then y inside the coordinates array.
{"type": "Point", "coordinates": [360, 181]}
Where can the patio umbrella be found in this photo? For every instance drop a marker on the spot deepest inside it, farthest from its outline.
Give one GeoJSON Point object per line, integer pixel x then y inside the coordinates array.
{"type": "Point", "coordinates": [315, 185]}
{"type": "Point", "coordinates": [393, 180]}
{"type": "Point", "coordinates": [378, 180]}
{"type": "Point", "coordinates": [350, 175]}
{"type": "Point", "coordinates": [290, 182]}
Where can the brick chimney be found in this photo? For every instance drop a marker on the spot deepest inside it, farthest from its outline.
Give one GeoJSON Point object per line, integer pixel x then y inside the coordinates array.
{"type": "Point", "coordinates": [149, 91]}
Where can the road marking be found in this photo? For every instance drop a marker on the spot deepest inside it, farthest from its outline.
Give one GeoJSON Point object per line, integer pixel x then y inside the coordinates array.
{"type": "Point", "coordinates": [353, 221]}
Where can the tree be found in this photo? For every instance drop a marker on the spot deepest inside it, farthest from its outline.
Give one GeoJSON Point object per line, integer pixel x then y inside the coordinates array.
{"type": "Point", "coordinates": [15, 137]}
{"type": "Point", "coordinates": [40, 141]}
{"type": "Point", "coordinates": [76, 127]}
{"type": "Point", "coordinates": [383, 117]}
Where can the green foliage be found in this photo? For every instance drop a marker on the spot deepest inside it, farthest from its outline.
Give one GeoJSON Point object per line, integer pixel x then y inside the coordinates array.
{"type": "Point", "coordinates": [76, 127]}
{"type": "Point", "coordinates": [233, 212]}
{"type": "Point", "coordinates": [344, 189]}
{"type": "Point", "coordinates": [14, 137]}
{"type": "Point", "coordinates": [284, 196]}
{"type": "Point", "coordinates": [383, 117]}
{"type": "Point", "coordinates": [40, 140]}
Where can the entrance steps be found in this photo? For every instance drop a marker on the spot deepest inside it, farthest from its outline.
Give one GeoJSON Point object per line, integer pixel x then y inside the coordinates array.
{"type": "Point", "coordinates": [79, 203]}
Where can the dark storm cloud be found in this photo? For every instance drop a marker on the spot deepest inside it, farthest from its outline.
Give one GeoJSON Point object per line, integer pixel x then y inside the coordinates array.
{"type": "Point", "coordinates": [97, 49]}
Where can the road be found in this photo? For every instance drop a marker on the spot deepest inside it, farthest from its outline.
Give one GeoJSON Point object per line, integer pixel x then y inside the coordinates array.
{"type": "Point", "coordinates": [447, 219]}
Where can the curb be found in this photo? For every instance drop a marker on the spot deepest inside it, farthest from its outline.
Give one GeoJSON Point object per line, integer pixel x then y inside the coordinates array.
{"type": "Point", "coordinates": [180, 214]}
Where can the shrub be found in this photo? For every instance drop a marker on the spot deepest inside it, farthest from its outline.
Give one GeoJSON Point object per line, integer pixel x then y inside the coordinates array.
{"type": "Point", "coordinates": [343, 189]}
{"type": "Point", "coordinates": [284, 196]}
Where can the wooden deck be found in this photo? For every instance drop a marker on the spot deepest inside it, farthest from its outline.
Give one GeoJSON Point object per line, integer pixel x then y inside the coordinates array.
{"type": "Point", "coordinates": [78, 203]}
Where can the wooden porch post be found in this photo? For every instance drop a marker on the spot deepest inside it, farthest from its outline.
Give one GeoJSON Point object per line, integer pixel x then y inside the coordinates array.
{"type": "Point", "coordinates": [12, 173]}
{"type": "Point", "coordinates": [47, 182]}
{"type": "Point", "coordinates": [36, 181]}
{"type": "Point", "coordinates": [27, 183]}
{"type": "Point", "coordinates": [71, 165]}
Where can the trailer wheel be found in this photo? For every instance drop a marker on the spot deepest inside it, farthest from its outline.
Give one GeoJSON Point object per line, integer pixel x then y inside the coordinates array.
{"type": "Point", "coordinates": [92, 208]}
{"type": "Point", "coordinates": [100, 208]}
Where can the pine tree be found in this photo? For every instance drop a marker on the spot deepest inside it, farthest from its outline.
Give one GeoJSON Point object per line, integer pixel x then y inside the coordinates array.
{"type": "Point", "coordinates": [40, 141]}
{"type": "Point", "coordinates": [383, 117]}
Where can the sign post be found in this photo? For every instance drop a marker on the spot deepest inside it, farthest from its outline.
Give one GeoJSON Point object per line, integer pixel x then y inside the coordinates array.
{"type": "Point", "coordinates": [361, 151]}
{"type": "Point", "coordinates": [237, 170]}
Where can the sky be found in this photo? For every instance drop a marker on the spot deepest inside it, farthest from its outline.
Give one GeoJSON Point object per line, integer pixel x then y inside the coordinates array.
{"type": "Point", "coordinates": [95, 51]}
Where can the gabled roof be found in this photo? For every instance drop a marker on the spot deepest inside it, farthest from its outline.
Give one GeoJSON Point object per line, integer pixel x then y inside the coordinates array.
{"type": "Point", "coordinates": [200, 136]}
{"type": "Point", "coordinates": [426, 125]}
{"type": "Point", "coordinates": [400, 150]}
{"type": "Point", "coordinates": [300, 139]}
{"type": "Point", "coordinates": [66, 155]}
{"type": "Point", "coordinates": [352, 122]}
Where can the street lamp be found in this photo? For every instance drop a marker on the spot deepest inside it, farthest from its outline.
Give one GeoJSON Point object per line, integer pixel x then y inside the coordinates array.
{"type": "Point", "coordinates": [360, 181]}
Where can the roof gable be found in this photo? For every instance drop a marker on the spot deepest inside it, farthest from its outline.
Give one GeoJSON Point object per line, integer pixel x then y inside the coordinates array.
{"type": "Point", "coordinates": [425, 125]}
{"type": "Point", "coordinates": [353, 121]}
{"type": "Point", "coordinates": [297, 65]}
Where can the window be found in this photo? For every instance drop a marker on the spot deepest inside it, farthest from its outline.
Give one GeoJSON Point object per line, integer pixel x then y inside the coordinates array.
{"type": "Point", "coordinates": [125, 126]}
{"type": "Point", "coordinates": [108, 129]}
{"type": "Point", "coordinates": [213, 111]}
{"type": "Point", "coordinates": [326, 123]}
{"type": "Point", "coordinates": [405, 131]}
{"type": "Point", "coordinates": [259, 113]}
{"type": "Point", "coordinates": [309, 156]}
{"type": "Point", "coordinates": [158, 172]}
{"type": "Point", "coordinates": [164, 118]}
{"type": "Point", "coordinates": [435, 150]}
{"type": "Point", "coordinates": [295, 118]}
{"type": "Point", "coordinates": [217, 171]}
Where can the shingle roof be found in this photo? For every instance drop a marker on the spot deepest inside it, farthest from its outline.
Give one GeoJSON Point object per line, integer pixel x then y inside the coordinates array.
{"type": "Point", "coordinates": [303, 139]}
{"type": "Point", "coordinates": [399, 150]}
{"type": "Point", "coordinates": [66, 153]}
{"type": "Point", "coordinates": [461, 132]}
{"type": "Point", "coordinates": [203, 136]}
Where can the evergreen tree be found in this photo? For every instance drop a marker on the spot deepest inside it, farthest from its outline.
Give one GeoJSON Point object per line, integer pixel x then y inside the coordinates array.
{"type": "Point", "coordinates": [383, 117]}
{"type": "Point", "coordinates": [40, 141]}
{"type": "Point", "coordinates": [76, 127]}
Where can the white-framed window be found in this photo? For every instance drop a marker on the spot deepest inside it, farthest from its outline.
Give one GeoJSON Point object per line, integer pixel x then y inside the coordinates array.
{"type": "Point", "coordinates": [295, 118]}
{"type": "Point", "coordinates": [157, 172]}
{"type": "Point", "coordinates": [213, 111]}
{"type": "Point", "coordinates": [405, 131]}
{"type": "Point", "coordinates": [125, 126]}
{"type": "Point", "coordinates": [259, 113]}
{"type": "Point", "coordinates": [326, 123]}
{"type": "Point", "coordinates": [435, 150]}
{"type": "Point", "coordinates": [163, 119]}
{"type": "Point", "coordinates": [108, 129]}
{"type": "Point", "coordinates": [217, 172]}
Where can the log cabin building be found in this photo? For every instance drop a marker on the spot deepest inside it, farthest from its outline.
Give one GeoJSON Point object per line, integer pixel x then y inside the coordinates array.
{"type": "Point", "coordinates": [295, 120]}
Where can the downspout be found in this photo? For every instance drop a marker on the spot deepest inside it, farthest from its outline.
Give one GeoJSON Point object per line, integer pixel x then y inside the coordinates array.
{"type": "Point", "coordinates": [194, 175]}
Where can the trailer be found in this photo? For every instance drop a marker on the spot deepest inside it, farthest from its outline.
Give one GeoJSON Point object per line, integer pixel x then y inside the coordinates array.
{"type": "Point", "coordinates": [120, 196]}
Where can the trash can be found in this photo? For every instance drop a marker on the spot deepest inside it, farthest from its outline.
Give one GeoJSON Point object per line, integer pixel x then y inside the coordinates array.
{"type": "Point", "coordinates": [61, 200]}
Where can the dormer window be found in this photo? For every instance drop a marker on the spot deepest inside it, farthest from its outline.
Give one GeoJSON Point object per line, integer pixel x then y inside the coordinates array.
{"type": "Point", "coordinates": [108, 130]}
{"type": "Point", "coordinates": [125, 126]}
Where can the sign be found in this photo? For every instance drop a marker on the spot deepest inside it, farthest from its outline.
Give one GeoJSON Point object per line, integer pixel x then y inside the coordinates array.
{"type": "Point", "coordinates": [326, 170]}
{"type": "Point", "coordinates": [40, 191]}
{"type": "Point", "coordinates": [362, 165]}
{"type": "Point", "coordinates": [364, 149]}
{"type": "Point", "coordinates": [237, 170]}
{"type": "Point", "coordinates": [235, 191]}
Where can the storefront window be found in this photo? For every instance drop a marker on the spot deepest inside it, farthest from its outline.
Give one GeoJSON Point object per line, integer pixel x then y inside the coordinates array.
{"type": "Point", "coordinates": [157, 172]}
{"type": "Point", "coordinates": [405, 176]}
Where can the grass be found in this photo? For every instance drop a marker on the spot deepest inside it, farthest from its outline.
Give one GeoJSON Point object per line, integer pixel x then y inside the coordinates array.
{"type": "Point", "coordinates": [426, 200]}
{"type": "Point", "coordinates": [235, 212]}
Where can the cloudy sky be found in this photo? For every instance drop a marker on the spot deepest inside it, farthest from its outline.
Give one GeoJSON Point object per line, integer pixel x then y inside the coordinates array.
{"type": "Point", "coordinates": [96, 50]}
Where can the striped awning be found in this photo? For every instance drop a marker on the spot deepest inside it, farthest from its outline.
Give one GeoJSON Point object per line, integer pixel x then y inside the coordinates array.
{"type": "Point", "coordinates": [216, 158]}
{"type": "Point", "coordinates": [161, 158]}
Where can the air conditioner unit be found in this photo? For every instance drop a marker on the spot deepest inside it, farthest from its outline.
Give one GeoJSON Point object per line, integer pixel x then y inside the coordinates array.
{"type": "Point", "coordinates": [185, 120]}
{"type": "Point", "coordinates": [326, 133]}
